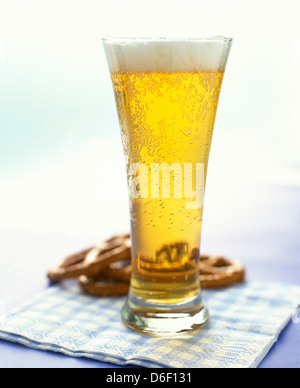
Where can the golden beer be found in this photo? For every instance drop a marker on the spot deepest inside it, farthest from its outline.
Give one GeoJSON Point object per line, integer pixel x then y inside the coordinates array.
{"type": "Point", "coordinates": [167, 107]}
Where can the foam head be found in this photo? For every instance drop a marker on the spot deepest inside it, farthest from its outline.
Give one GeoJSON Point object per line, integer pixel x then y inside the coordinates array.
{"type": "Point", "coordinates": [167, 55]}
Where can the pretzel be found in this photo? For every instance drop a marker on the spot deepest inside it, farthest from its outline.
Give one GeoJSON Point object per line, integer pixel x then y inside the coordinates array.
{"type": "Point", "coordinates": [217, 272]}
{"type": "Point", "coordinates": [117, 272]}
{"type": "Point", "coordinates": [105, 269]}
{"type": "Point", "coordinates": [91, 261]}
{"type": "Point", "coordinates": [103, 287]}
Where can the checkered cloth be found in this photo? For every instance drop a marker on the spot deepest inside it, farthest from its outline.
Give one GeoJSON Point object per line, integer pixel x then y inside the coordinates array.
{"type": "Point", "coordinates": [245, 322]}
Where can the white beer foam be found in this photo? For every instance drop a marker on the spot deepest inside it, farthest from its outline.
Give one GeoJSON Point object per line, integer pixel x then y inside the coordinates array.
{"type": "Point", "coordinates": [167, 54]}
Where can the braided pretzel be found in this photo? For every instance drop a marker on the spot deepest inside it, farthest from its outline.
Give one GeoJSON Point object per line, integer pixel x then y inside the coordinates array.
{"type": "Point", "coordinates": [117, 272]}
{"type": "Point", "coordinates": [103, 287]}
{"type": "Point", "coordinates": [217, 272]}
{"type": "Point", "coordinates": [105, 270]}
{"type": "Point", "coordinates": [91, 261]}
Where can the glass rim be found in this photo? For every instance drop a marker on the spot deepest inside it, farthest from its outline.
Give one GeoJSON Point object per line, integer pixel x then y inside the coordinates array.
{"type": "Point", "coordinates": [214, 38]}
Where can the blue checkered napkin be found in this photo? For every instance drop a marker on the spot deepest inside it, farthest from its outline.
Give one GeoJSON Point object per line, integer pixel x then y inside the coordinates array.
{"type": "Point", "coordinates": [245, 322]}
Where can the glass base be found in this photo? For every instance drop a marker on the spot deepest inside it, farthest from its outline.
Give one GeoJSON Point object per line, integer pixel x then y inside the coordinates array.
{"type": "Point", "coordinates": [164, 320]}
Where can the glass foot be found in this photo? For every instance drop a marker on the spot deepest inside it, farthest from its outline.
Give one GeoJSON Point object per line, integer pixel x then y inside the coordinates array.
{"type": "Point", "coordinates": [164, 320]}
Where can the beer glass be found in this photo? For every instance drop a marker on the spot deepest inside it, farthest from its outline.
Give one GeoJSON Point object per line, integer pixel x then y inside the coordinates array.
{"type": "Point", "coordinates": [166, 92]}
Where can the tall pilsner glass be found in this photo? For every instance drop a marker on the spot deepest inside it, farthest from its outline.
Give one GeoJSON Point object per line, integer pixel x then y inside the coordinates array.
{"type": "Point", "coordinates": [167, 93]}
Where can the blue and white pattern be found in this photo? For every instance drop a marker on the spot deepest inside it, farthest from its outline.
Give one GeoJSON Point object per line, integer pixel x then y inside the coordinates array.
{"type": "Point", "coordinates": [245, 322]}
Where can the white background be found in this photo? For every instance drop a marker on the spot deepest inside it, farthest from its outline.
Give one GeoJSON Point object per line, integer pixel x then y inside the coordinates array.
{"type": "Point", "coordinates": [61, 163]}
